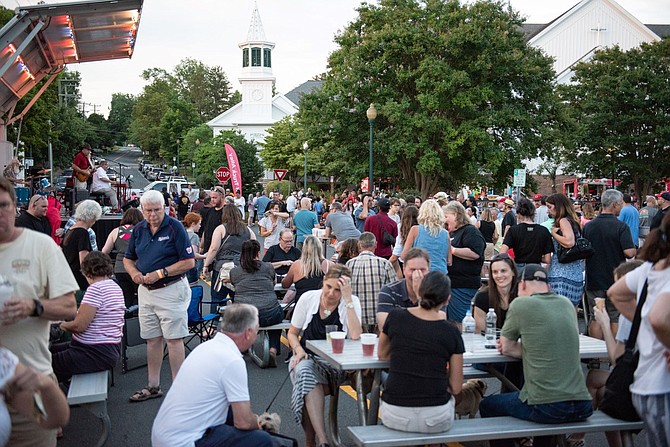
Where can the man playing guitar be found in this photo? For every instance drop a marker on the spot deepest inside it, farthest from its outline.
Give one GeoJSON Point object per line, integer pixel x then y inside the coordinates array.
{"type": "Point", "coordinates": [82, 168]}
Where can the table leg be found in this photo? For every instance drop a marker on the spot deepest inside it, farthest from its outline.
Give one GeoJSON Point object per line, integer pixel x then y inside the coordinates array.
{"type": "Point", "coordinates": [498, 375]}
{"type": "Point", "coordinates": [361, 400]}
{"type": "Point", "coordinates": [333, 429]}
{"type": "Point", "coordinates": [324, 245]}
{"type": "Point", "coordinates": [375, 393]}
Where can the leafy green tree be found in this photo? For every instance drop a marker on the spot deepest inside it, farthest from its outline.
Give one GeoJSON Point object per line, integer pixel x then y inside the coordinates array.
{"type": "Point", "coordinates": [206, 88]}
{"type": "Point", "coordinates": [151, 105]}
{"type": "Point", "coordinates": [99, 134]}
{"type": "Point", "coordinates": [191, 143]}
{"type": "Point", "coordinates": [120, 116]}
{"type": "Point", "coordinates": [621, 100]}
{"type": "Point", "coordinates": [212, 155]}
{"type": "Point", "coordinates": [176, 121]}
{"type": "Point", "coordinates": [458, 91]}
{"type": "Point", "coordinates": [283, 149]}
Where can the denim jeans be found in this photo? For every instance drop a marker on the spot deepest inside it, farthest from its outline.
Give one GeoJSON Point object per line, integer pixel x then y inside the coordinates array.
{"type": "Point", "coordinates": [460, 302]}
{"type": "Point", "coordinates": [509, 404]}
{"type": "Point", "coordinates": [655, 412]}
{"type": "Point", "coordinates": [232, 437]}
{"type": "Point", "coordinates": [219, 297]}
{"type": "Point", "coordinates": [269, 318]}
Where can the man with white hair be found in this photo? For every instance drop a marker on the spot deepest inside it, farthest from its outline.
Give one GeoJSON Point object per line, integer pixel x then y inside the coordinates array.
{"type": "Point", "coordinates": [208, 403]}
{"type": "Point", "coordinates": [613, 244]}
{"type": "Point", "coordinates": [103, 185]}
{"type": "Point", "coordinates": [158, 256]}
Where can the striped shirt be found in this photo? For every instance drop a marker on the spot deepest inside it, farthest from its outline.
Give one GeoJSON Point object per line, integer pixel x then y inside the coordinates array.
{"type": "Point", "coordinates": [369, 274]}
{"type": "Point", "coordinates": [107, 325]}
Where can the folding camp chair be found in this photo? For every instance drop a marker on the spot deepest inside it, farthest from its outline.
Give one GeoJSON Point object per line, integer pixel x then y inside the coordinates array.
{"type": "Point", "coordinates": [198, 325]}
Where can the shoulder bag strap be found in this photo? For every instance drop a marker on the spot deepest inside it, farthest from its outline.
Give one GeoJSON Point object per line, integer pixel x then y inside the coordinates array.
{"type": "Point", "coordinates": [381, 222]}
{"type": "Point", "coordinates": [632, 337]}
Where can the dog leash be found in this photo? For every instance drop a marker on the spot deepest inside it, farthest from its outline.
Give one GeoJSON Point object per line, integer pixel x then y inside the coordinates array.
{"type": "Point", "coordinates": [278, 391]}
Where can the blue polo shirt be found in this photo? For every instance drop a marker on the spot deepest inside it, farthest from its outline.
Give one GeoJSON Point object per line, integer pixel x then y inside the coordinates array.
{"type": "Point", "coordinates": [156, 251]}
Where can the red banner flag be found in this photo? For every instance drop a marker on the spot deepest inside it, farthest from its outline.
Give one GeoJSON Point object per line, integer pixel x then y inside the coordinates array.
{"type": "Point", "coordinates": [234, 166]}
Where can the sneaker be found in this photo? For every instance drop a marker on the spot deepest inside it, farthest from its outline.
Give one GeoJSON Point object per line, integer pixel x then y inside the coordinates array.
{"type": "Point", "coordinates": [575, 442]}
{"type": "Point", "coordinates": [273, 360]}
{"type": "Point", "coordinates": [288, 358]}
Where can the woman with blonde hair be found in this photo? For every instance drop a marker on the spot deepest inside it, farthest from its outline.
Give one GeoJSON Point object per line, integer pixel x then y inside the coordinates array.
{"type": "Point", "coordinates": [468, 246]}
{"type": "Point", "coordinates": [487, 227]}
{"type": "Point", "coordinates": [308, 271]}
{"type": "Point", "coordinates": [430, 235]}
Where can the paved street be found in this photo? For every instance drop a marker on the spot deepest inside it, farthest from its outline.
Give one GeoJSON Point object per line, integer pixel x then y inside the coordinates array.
{"type": "Point", "coordinates": [131, 422]}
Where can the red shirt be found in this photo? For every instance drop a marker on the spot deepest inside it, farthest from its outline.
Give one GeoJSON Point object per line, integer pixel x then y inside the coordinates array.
{"type": "Point", "coordinates": [81, 161]}
{"type": "Point", "coordinates": [373, 224]}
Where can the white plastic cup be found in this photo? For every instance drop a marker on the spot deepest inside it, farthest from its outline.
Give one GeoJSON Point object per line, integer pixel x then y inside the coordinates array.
{"type": "Point", "coordinates": [337, 341]}
{"type": "Point", "coordinates": [368, 342]}
{"type": "Point", "coordinates": [600, 303]}
{"type": "Point", "coordinates": [6, 291]}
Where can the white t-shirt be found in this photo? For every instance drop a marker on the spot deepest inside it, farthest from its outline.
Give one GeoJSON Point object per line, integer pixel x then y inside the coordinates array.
{"type": "Point", "coordinates": [308, 305]}
{"type": "Point", "coordinates": [273, 238]}
{"type": "Point", "coordinates": [211, 377]}
{"type": "Point", "coordinates": [239, 203]}
{"type": "Point", "coordinates": [98, 184]}
{"type": "Point", "coordinates": [291, 203]}
{"type": "Point", "coordinates": [8, 362]}
{"type": "Point", "coordinates": [651, 375]}
{"type": "Point", "coordinates": [37, 269]}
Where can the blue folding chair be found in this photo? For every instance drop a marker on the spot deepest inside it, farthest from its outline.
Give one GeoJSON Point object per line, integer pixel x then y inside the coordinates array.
{"type": "Point", "coordinates": [199, 326]}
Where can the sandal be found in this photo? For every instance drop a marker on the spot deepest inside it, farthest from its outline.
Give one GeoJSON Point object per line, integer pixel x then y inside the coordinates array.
{"type": "Point", "coordinates": [150, 392]}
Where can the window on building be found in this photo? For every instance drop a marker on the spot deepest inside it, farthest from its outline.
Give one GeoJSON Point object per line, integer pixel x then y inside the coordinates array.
{"type": "Point", "coordinates": [267, 62]}
{"type": "Point", "coordinates": [245, 57]}
{"type": "Point", "coordinates": [255, 57]}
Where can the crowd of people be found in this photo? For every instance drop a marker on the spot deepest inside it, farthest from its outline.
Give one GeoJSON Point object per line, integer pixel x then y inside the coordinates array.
{"type": "Point", "coordinates": [407, 269]}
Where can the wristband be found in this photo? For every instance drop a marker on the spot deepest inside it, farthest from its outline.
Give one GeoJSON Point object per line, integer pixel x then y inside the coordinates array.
{"type": "Point", "coordinates": [160, 274]}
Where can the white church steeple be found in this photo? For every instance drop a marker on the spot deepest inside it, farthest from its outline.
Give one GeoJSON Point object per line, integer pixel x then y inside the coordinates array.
{"type": "Point", "coordinates": [256, 76]}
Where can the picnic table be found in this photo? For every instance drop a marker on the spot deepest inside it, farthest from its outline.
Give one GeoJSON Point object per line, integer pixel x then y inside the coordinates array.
{"type": "Point", "coordinates": [352, 359]}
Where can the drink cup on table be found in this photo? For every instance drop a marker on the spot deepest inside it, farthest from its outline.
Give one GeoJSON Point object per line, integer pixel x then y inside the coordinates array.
{"type": "Point", "coordinates": [330, 328]}
{"type": "Point", "coordinates": [337, 341]}
{"type": "Point", "coordinates": [368, 342]}
{"type": "Point", "coordinates": [600, 303]}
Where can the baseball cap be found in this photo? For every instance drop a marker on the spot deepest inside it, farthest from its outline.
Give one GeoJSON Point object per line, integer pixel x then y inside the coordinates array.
{"type": "Point", "coordinates": [441, 195]}
{"type": "Point", "coordinates": [533, 272]}
{"type": "Point", "coordinates": [501, 199]}
{"type": "Point", "coordinates": [537, 197]}
{"type": "Point", "coordinates": [384, 203]}
{"type": "Point", "coordinates": [664, 195]}
{"type": "Point", "coordinates": [509, 202]}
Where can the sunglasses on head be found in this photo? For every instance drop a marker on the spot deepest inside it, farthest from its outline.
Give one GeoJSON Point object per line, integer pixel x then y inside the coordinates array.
{"type": "Point", "coordinates": [500, 257]}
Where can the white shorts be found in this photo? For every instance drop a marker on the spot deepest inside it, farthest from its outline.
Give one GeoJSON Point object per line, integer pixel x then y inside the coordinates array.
{"type": "Point", "coordinates": [418, 419]}
{"type": "Point", "coordinates": [164, 312]}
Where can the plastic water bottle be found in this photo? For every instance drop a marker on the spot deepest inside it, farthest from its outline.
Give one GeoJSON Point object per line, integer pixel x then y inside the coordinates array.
{"type": "Point", "coordinates": [490, 337]}
{"type": "Point", "coordinates": [468, 330]}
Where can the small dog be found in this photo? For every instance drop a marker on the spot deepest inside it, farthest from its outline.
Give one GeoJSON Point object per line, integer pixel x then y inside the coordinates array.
{"type": "Point", "coordinates": [269, 422]}
{"type": "Point", "coordinates": [471, 395]}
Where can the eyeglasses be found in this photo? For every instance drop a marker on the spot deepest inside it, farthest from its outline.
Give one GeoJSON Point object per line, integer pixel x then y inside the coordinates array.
{"type": "Point", "coordinates": [218, 189]}
{"type": "Point", "coordinates": [287, 241]}
{"type": "Point", "coordinates": [500, 257]}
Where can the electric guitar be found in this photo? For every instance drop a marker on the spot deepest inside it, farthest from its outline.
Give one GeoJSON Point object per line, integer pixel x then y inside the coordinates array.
{"type": "Point", "coordinates": [82, 177]}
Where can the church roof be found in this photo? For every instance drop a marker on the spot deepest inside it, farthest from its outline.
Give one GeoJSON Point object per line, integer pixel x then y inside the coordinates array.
{"type": "Point", "coordinates": [531, 30]}
{"type": "Point", "coordinates": [295, 95]}
{"type": "Point", "coordinates": [256, 32]}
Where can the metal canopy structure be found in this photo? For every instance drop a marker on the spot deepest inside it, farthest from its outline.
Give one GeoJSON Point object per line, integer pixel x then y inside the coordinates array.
{"type": "Point", "coordinates": [41, 39]}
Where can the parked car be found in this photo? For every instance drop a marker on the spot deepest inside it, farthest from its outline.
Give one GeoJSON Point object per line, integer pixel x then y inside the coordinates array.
{"type": "Point", "coordinates": [60, 183]}
{"type": "Point", "coordinates": [154, 173]}
{"type": "Point", "coordinates": [172, 187]}
{"type": "Point", "coordinates": [112, 174]}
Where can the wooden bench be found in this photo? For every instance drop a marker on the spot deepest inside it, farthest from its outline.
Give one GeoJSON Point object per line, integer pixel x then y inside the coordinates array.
{"type": "Point", "coordinates": [482, 429]}
{"type": "Point", "coordinates": [90, 392]}
{"type": "Point", "coordinates": [263, 360]}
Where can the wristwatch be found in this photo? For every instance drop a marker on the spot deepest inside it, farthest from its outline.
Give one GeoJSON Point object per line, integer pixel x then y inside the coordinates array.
{"type": "Point", "coordinates": [164, 272]}
{"type": "Point", "coordinates": [349, 305]}
{"type": "Point", "coordinates": [39, 309]}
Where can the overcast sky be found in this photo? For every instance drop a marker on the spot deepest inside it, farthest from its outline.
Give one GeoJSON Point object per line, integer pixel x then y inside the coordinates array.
{"type": "Point", "coordinates": [303, 30]}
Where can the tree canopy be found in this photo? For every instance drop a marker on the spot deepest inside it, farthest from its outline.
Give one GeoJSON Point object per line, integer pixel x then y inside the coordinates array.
{"type": "Point", "coordinates": [621, 102]}
{"type": "Point", "coordinates": [459, 94]}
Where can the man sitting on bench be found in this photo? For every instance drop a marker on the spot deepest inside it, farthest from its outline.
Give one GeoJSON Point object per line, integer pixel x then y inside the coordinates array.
{"type": "Point", "coordinates": [554, 389]}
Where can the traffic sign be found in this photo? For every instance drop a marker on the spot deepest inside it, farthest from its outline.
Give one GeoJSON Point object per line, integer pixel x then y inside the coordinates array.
{"type": "Point", "coordinates": [520, 177]}
{"type": "Point", "coordinates": [223, 174]}
{"type": "Point", "coordinates": [280, 174]}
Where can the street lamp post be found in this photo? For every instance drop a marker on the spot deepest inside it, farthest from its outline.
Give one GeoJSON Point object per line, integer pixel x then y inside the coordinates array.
{"type": "Point", "coordinates": [177, 155]}
{"type": "Point", "coordinates": [372, 115]}
{"type": "Point", "coordinates": [305, 146]}
{"type": "Point", "coordinates": [197, 145]}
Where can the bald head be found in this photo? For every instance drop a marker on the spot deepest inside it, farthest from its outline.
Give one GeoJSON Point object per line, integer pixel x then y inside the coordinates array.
{"type": "Point", "coordinates": [305, 203]}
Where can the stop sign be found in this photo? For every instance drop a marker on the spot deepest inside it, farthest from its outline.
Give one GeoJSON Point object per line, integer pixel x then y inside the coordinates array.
{"type": "Point", "coordinates": [223, 174]}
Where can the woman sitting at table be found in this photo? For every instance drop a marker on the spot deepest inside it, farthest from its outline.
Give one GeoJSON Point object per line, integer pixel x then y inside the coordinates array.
{"type": "Point", "coordinates": [421, 345]}
{"type": "Point", "coordinates": [498, 294]}
{"type": "Point", "coordinates": [97, 328]}
{"type": "Point", "coordinates": [313, 377]}
{"type": "Point", "coordinates": [307, 272]}
{"type": "Point", "coordinates": [254, 283]}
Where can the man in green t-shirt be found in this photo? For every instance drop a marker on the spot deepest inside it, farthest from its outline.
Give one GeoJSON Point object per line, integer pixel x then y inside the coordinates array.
{"type": "Point", "coordinates": [555, 389]}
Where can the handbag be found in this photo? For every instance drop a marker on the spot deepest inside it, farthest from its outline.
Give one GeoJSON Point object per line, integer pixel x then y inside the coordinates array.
{"type": "Point", "coordinates": [224, 271]}
{"type": "Point", "coordinates": [581, 250]}
{"type": "Point", "coordinates": [617, 401]}
{"type": "Point", "coordinates": [387, 238]}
